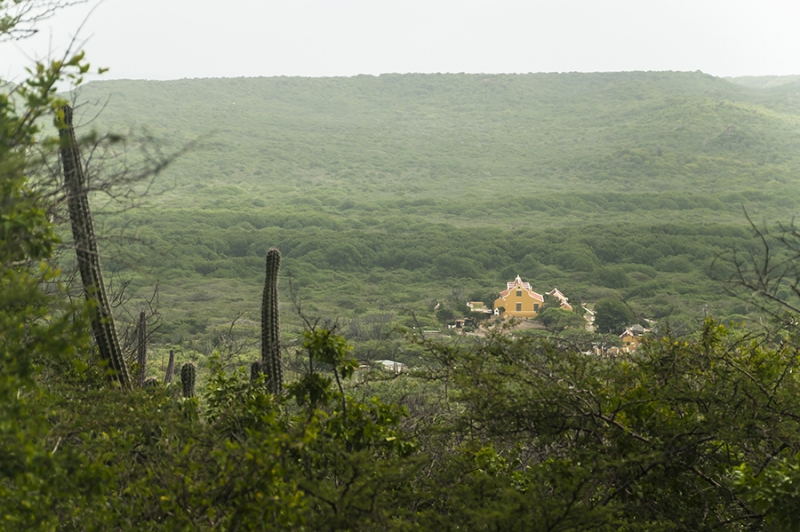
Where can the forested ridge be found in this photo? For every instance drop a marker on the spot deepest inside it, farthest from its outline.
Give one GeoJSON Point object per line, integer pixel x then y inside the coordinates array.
{"type": "Point", "coordinates": [347, 215]}
{"type": "Point", "coordinates": [385, 193]}
{"type": "Point", "coordinates": [547, 131]}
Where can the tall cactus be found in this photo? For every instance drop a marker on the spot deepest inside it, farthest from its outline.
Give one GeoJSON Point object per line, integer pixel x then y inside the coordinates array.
{"type": "Point", "coordinates": [80, 216]}
{"type": "Point", "coordinates": [188, 376]}
{"type": "Point", "coordinates": [271, 362]}
{"type": "Point", "coordinates": [141, 338]}
{"type": "Point", "coordinates": [170, 367]}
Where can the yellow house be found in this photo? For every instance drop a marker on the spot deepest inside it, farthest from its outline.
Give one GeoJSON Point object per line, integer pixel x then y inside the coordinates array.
{"type": "Point", "coordinates": [519, 300]}
{"type": "Point", "coordinates": [632, 337]}
{"type": "Point", "coordinates": [629, 341]}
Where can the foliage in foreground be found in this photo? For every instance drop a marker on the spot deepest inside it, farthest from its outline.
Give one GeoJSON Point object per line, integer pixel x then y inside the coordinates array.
{"type": "Point", "coordinates": [692, 434]}
{"type": "Point", "coordinates": [665, 438]}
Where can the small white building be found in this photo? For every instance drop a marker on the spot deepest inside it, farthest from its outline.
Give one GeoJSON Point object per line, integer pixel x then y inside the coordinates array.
{"type": "Point", "coordinates": [392, 365]}
{"type": "Point", "coordinates": [562, 299]}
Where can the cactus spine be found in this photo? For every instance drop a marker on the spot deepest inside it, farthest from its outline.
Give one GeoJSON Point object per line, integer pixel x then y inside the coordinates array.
{"type": "Point", "coordinates": [141, 337]}
{"type": "Point", "coordinates": [105, 333]}
{"type": "Point", "coordinates": [270, 332]}
{"type": "Point", "coordinates": [170, 367]}
{"type": "Point", "coordinates": [188, 375]}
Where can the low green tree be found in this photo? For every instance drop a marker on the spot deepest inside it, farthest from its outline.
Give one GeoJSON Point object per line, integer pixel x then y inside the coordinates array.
{"type": "Point", "coordinates": [611, 316]}
{"type": "Point", "coordinates": [558, 319]}
{"type": "Point", "coordinates": [445, 315]}
{"type": "Point", "coordinates": [550, 301]}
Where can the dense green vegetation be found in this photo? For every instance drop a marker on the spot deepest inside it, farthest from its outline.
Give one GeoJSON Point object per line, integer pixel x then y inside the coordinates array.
{"type": "Point", "coordinates": [388, 193]}
{"type": "Point", "coordinates": [509, 430]}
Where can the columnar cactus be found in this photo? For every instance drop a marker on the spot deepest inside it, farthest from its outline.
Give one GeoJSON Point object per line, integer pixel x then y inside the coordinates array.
{"type": "Point", "coordinates": [271, 362]}
{"type": "Point", "coordinates": [88, 259]}
{"type": "Point", "coordinates": [141, 337]}
{"type": "Point", "coordinates": [170, 367]}
{"type": "Point", "coordinates": [188, 375]}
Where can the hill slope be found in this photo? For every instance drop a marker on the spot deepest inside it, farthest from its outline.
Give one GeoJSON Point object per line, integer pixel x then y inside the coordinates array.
{"type": "Point", "coordinates": [380, 188]}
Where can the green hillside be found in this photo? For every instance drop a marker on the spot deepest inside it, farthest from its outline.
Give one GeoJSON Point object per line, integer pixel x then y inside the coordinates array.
{"type": "Point", "coordinates": [511, 133]}
{"type": "Point", "coordinates": [762, 82]}
{"type": "Point", "coordinates": [389, 193]}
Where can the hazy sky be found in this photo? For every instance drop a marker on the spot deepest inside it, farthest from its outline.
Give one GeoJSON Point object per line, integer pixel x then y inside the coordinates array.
{"type": "Point", "coordinates": [171, 39]}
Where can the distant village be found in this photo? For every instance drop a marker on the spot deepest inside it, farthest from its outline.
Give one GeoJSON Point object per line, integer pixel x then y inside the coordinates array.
{"type": "Point", "coordinates": [520, 301]}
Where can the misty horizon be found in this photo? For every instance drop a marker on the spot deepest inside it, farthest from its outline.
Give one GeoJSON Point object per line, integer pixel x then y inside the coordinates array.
{"type": "Point", "coordinates": [152, 40]}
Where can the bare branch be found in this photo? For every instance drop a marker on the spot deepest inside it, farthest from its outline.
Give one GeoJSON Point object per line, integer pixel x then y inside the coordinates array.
{"type": "Point", "coordinates": [19, 19]}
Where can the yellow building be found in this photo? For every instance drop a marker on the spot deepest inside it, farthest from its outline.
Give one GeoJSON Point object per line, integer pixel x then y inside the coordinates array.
{"type": "Point", "coordinates": [629, 341]}
{"type": "Point", "coordinates": [632, 337]}
{"type": "Point", "coordinates": [519, 300]}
